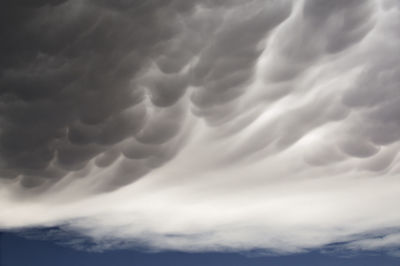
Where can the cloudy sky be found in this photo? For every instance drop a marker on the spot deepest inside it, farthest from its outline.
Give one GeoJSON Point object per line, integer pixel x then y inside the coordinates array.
{"type": "Point", "coordinates": [204, 125]}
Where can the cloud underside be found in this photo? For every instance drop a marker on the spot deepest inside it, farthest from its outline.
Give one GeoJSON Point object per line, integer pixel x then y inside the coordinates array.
{"type": "Point", "coordinates": [203, 125]}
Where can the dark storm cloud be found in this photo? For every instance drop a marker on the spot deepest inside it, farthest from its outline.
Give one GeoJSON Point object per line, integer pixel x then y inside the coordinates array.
{"type": "Point", "coordinates": [375, 96]}
{"type": "Point", "coordinates": [320, 29]}
{"type": "Point", "coordinates": [66, 82]}
{"type": "Point", "coordinates": [76, 77]}
{"type": "Point", "coordinates": [228, 60]}
{"type": "Point", "coordinates": [320, 32]}
{"type": "Point", "coordinates": [79, 78]}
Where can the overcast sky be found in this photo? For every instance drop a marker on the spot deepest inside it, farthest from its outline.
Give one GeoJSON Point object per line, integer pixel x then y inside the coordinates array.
{"type": "Point", "coordinates": [204, 125]}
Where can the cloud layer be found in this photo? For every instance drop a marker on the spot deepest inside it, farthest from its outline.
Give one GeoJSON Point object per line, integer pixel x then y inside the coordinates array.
{"type": "Point", "coordinates": [203, 125]}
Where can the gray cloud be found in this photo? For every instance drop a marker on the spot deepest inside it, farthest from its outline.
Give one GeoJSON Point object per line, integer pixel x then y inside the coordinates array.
{"type": "Point", "coordinates": [260, 124]}
{"type": "Point", "coordinates": [68, 92]}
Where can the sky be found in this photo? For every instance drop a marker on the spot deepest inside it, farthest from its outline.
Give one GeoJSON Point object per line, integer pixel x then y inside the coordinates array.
{"type": "Point", "coordinates": [46, 253]}
{"type": "Point", "coordinates": [201, 127]}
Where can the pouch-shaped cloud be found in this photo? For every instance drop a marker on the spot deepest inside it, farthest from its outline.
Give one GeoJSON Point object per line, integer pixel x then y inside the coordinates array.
{"type": "Point", "coordinates": [203, 125]}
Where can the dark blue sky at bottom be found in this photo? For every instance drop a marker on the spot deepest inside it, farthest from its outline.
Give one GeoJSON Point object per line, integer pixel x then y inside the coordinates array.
{"type": "Point", "coordinates": [19, 251]}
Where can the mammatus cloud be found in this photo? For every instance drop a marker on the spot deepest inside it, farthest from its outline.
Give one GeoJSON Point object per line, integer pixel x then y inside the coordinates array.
{"type": "Point", "coordinates": [203, 125]}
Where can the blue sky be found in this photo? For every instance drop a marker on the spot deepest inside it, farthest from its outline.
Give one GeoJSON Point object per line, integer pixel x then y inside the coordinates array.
{"type": "Point", "coordinates": [18, 251]}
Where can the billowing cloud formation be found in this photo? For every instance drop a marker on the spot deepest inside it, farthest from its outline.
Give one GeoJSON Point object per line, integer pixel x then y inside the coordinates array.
{"type": "Point", "coordinates": [203, 125]}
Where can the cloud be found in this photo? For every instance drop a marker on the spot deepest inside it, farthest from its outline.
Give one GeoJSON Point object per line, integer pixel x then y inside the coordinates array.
{"type": "Point", "coordinates": [203, 125]}
{"type": "Point", "coordinates": [68, 84]}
